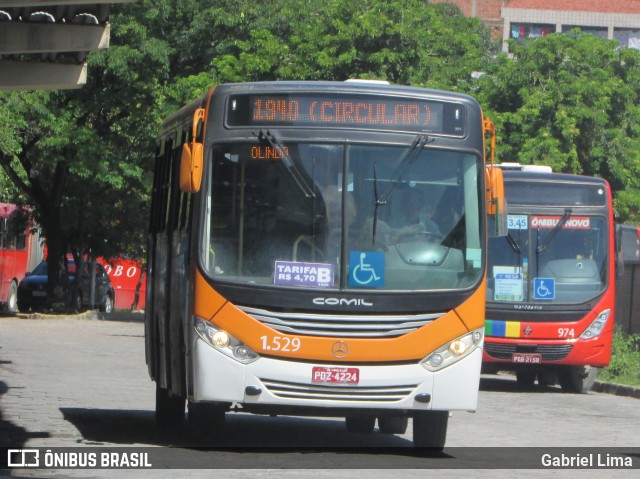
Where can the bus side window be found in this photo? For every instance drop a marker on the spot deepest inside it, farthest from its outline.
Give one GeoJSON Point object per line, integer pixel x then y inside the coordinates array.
{"type": "Point", "coordinates": [21, 241]}
{"type": "Point", "coordinates": [9, 235]}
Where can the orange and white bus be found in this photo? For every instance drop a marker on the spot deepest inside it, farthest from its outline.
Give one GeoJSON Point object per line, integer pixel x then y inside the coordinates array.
{"type": "Point", "coordinates": [318, 248]}
{"type": "Point", "coordinates": [551, 280]}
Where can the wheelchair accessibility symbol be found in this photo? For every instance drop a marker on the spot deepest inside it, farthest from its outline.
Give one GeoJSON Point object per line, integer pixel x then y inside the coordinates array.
{"type": "Point", "coordinates": [544, 288]}
{"type": "Point", "coordinates": [366, 268]}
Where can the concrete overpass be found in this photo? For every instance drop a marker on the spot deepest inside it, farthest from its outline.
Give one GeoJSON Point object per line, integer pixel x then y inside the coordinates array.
{"type": "Point", "coordinates": [44, 43]}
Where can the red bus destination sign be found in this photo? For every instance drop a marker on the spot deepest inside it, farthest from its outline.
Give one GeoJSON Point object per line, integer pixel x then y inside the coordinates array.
{"type": "Point", "coordinates": [349, 111]}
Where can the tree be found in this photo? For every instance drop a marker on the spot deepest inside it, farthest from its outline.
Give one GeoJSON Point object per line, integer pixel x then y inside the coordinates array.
{"type": "Point", "coordinates": [570, 102]}
{"type": "Point", "coordinates": [408, 42]}
{"type": "Point", "coordinates": [82, 158]}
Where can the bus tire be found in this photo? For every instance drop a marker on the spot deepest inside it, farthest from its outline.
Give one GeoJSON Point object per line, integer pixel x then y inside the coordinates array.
{"type": "Point", "coordinates": [525, 378]}
{"type": "Point", "coordinates": [577, 379]}
{"type": "Point", "coordinates": [11, 306]}
{"type": "Point", "coordinates": [169, 408]}
{"type": "Point", "coordinates": [393, 423]}
{"type": "Point", "coordinates": [430, 429]}
{"type": "Point", "coordinates": [206, 417]}
{"type": "Point", "coordinates": [362, 423]}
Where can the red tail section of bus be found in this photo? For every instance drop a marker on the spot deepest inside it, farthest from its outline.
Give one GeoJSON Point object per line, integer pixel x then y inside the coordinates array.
{"type": "Point", "coordinates": [129, 282]}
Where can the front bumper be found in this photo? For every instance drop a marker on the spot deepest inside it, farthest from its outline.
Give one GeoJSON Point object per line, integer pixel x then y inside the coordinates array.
{"type": "Point", "coordinates": [287, 383]}
{"type": "Point", "coordinates": [593, 352]}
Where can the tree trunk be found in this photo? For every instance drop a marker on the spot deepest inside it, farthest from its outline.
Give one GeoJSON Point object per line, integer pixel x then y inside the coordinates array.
{"type": "Point", "coordinates": [56, 260]}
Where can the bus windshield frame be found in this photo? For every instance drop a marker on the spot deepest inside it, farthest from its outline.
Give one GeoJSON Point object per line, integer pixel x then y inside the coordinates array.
{"type": "Point", "coordinates": [306, 215]}
{"type": "Point", "coordinates": [557, 251]}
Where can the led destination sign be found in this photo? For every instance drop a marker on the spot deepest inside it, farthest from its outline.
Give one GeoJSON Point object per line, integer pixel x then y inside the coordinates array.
{"type": "Point", "coordinates": [350, 111]}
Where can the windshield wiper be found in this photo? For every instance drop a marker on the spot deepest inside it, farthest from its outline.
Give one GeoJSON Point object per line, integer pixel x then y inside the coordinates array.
{"type": "Point", "coordinates": [409, 157]}
{"type": "Point", "coordinates": [565, 217]}
{"type": "Point", "coordinates": [405, 163]}
{"type": "Point", "coordinates": [513, 243]}
{"type": "Point", "coordinates": [287, 161]}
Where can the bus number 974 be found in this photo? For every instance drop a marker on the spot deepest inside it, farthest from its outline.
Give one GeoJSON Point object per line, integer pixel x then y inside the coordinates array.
{"type": "Point", "coordinates": [566, 333]}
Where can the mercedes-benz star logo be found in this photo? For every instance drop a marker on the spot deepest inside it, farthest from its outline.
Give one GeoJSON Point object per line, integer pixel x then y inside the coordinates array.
{"type": "Point", "coordinates": [340, 349]}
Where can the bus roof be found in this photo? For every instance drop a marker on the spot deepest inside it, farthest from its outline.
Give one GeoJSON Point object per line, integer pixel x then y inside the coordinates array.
{"type": "Point", "coordinates": [531, 188]}
{"type": "Point", "coordinates": [338, 86]}
{"type": "Point", "coordinates": [551, 177]}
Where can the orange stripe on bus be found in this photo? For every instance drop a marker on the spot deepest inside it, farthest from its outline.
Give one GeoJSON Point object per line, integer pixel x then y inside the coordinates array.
{"type": "Point", "coordinates": [207, 300]}
{"type": "Point", "coordinates": [409, 347]}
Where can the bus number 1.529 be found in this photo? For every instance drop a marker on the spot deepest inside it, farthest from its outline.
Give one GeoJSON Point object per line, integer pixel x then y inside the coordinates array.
{"type": "Point", "coordinates": [280, 343]}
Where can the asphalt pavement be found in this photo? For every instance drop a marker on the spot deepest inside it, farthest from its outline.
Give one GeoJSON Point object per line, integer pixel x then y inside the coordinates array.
{"type": "Point", "coordinates": [87, 385]}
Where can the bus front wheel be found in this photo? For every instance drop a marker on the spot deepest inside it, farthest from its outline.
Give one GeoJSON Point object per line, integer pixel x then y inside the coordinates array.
{"type": "Point", "coordinates": [430, 429]}
{"type": "Point", "coordinates": [169, 408]}
{"type": "Point", "coordinates": [393, 423]}
{"type": "Point", "coordinates": [11, 306]}
{"type": "Point", "coordinates": [577, 379]}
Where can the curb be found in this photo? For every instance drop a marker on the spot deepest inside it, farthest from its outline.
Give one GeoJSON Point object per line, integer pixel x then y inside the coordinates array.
{"type": "Point", "coordinates": [117, 315]}
{"type": "Point", "coordinates": [616, 389]}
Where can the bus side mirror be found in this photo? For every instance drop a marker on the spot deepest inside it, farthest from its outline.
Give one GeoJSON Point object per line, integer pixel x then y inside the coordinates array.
{"type": "Point", "coordinates": [496, 201]}
{"type": "Point", "coordinates": [494, 184]}
{"type": "Point", "coordinates": [191, 167]}
{"type": "Point", "coordinates": [192, 159]}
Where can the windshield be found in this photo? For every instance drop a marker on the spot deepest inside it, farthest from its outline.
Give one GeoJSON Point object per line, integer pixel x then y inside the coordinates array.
{"type": "Point", "coordinates": [318, 219]}
{"type": "Point", "coordinates": [548, 259]}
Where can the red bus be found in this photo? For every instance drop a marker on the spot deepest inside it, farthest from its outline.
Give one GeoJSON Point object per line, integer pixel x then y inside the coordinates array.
{"type": "Point", "coordinates": [20, 251]}
{"type": "Point", "coordinates": [551, 281]}
{"type": "Point", "coordinates": [128, 280]}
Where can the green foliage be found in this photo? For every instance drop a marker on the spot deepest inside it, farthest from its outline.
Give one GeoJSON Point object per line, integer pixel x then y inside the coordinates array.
{"type": "Point", "coordinates": [628, 204]}
{"type": "Point", "coordinates": [625, 360]}
{"type": "Point", "coordinates": [83, 158]}
{"type": "Point", "coordinates": [410, 42]}
{"type": "Point", "coordinates": [570, 102]}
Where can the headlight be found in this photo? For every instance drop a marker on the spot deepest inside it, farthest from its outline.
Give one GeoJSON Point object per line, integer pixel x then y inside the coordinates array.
{"type": "Point", "coordinates": [453, 351]}
{"type": "Point", "coordinates": [597, 326]}
{"type": "Point", "coordinates": [224, 342]}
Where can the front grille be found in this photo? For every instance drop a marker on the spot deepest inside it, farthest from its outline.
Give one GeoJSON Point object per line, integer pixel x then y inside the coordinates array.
{"type": "Point", "coordinates": [343, 325]}
{"type": "Point", "coordinates": [549, 352]}
{"type": "Point", "coordinates": [381, 394]}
